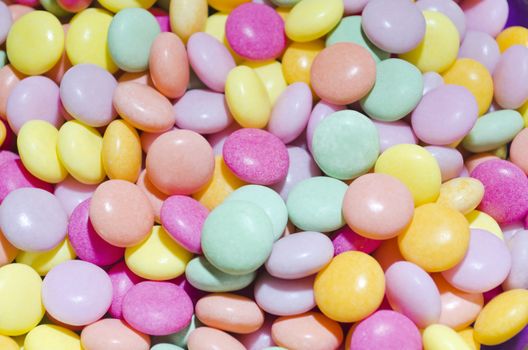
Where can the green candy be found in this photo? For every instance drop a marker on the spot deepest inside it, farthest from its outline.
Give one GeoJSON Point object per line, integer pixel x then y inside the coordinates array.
{"type": "Point", "coordinates": [177, 339]}
{"type": "Point", "coordinates": [202, 275]}
{"type": "Point", "coordinates": [493, 130]}
{"type": "Point", "coordinates": [165, 346]}
{"type": "Point", "coordinates": [237, 237]}
{"type": "Point", "coordinates": [130, 36]}
{"type": "Point", "coordinates": [3, 58]}
{"type": "Point", "coordinates": [345, 144]}
{"type": "Point", "coordinates": [398, 89]}
{"type": "Point", "coordinates": [315, 204]}
{"type": "Point", "coordinates": [53, 7]}
{"type": "Point", "coordinates": [285, 3]}
{"type": "Point", "coordinates": [349, 30]}
{"type": "Point", "coordinates": [269, 201]}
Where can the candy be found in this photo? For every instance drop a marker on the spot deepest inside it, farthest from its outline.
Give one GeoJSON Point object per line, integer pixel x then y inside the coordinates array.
{"type": "Point", "coordinates": [449, 160]}
{"type": "Point", "coordinates": [260, 339]}
{"type": "Point", "coordinates": [512, 36]}
{"type": "Point", "coordinates": [437, 337]}
{"type": "Point", "coordinates": [121, 151]}
{"type": "Point", "coordinates": [394, 133]}
{"type": "Point", "coordinates": [187, 17]}
{"type": "Point", "coordinates": [479, 219]}
{"type": "Point", "coordinates": [112, 334]}
{"type": "Point", "coordinates": [43, 262]}
{"type": "Point", "coordinates": [15, 176]}
{"type": "Point", "coordinates": [71, 193]}
{"type": "Point", "coordinates": [449, 8]}
{"type": "Point", "coordinates": [52, 337]}
{"type": "Point", "coordinates": [481, 47]}
{"type": "Point", "coordinates": [8, 344]}
{"type": "Point", "coordinates": [508, 75]}
{"type": "Point", "coordinates": [517, 246]}
{"type": "Point", "coordinates": [204, 276]}
{"type": "Point", "coordinates": [155, 196]}
{"type": "Point", "coordinates": [179, 338]}
{"type": "Point", "coordinates": [207, 338]}
{"type": "Point", "coordinates": [9, 78]}
{"type": "Point", "coordinates": [118, 5]}
{"type": "Point", "coordinates": [345, 239]}
{"type": "Point", "coordinates": [323, 16]}
{"type": "Point", "coordinates": [493, 130]}
{"type": "Point", "coordinates": [122, 280]}
{"type": "Point", "coordinates": [271, 75]}
{"type": "Point", "coordinates": [487, 16]}
{"type": "Point", "coordinates": [74, 5]}
{"type": "Point", "coordinates": [462, 194]}
{"type": "Point", "coordinates": [298, 58]}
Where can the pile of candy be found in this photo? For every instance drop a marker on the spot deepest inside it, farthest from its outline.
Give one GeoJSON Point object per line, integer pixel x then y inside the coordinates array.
{"type": "Point", "coordinates": [283, 174]}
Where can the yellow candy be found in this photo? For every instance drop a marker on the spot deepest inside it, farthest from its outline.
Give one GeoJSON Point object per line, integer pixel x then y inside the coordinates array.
{"type": "Point", "coordinates": [440, 337]}
{"type": "Point", "coordinates": [43, 262]}
{"type": "Point", "coordinates": [468, 335]}
{"type": "Point", "coordinates": [502, 318]}
{"type": "Point", "coordinates": [121, 151]}
{"type": "Point", "coordinates": [118, 5]}
{"type": "Point", "coordinates": [270, 74]}
{"type": "Point", "coordinates": [86, 41]}
{"type": "Point", "coordinates": [20, 299]}
{"type": "Point", "coordinates": [524, 112]}
{"type": "Point", "coordinates": [439, 47]}
{"type": "Point", "coordinates": [7, 343]}
{"type": "Point", "coordinates": [226, 5]}
{"type": "Point", "coordinates": [297, 60]}
{"type": "Point", "coordinates": [37, 146]}
{"type": "Point", "coordinates": [350, 287]}
{"type": "Point", "coordinates": [512, 36]}
{"type": "Point", "coordinates": [474, 76]}
{"type": "Point", "coordinates": [187, 17]}
{"type": "Point", "coordinates": [247, 98]}
{"type": "Point", "coordinates": [215, 26]}
{"type": "Point", "coordinates": [35, 43]}
{"type": "Point", "coordinates": [79, 149]}
{"type": "Point", "coordinates": [221, 185]}
{"type": "Point", "coordinates": [51, 337]}
{"type": "Point", "coordinates": [415, 167]}
{"type": "Point", "coordinates": [479, 219]}
{"type": "Point", "coordinates": [463, 194]}
{"type": "Point", "coordinates": [311, 19]}
{"type": "Point", "coordinates": [437, 238]}
{"type": "Point", "coordinates": [3, 133]}
{"type": "Point", "coordinates": [158, 257]}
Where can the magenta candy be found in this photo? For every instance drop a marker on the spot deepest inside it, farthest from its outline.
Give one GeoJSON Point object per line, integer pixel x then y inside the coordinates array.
{"type": "Point", "coordinates": [487, 16]}
{"type": "Point", "coordinates": [122, 280]}
{"type": "Point", "coordinates": [291, 112]}
{"type": "Point", "coordinates": [481, 47]}
{"type": "Point", "coordinates": [445, 115]}
{"type": "Point", "coordinates": [86, 243]}
{"type": "Point", "coordinates": [71, 193]}
{"type": "Point", "coordinates": [345, 240]}
{"type": "Point", "coordinates": [193, 293]}
{"type": "Point", "coordinates": [30, 3]}
{"type": "Point", "coordinates": [256, 156]}
{"type": "Point", "coordinates": [15, 176]}
{"type": "Point", "coordinates": [259, 339]}
{"type": "Point", "coordinates": [6, 156]}
{"type": "Point", "coordinates": [183, 218]}
{"type": "Point", "coordinates": [218, 139]}
{"type": "Point", "coordinates": [505, 190]}
{"type": "Point", "coordinates": [431, 81]}
{"type": "Point", "coordinates": [492, 294]}
{"type": "Point", "coordinates": [320, 111]}
{"type": "Point", "coordinates": [449, 159]}
{"type": "Point", "coordinates": [33, 98]}
{"type": "Point", "coordinates": [157, 308]}
{"type": "Point", "coordinates": [448, 8]}
{"type": "Point", "coordinates": [387, 330]}
{"type": "Point", "coordinates": [255, 32]}
{"type": "Point", "coordinates": [394, 133]}
{"type": "Point", "coordinates": [162, 17]}
{"type": "Point", "coordinates": [510, 76]}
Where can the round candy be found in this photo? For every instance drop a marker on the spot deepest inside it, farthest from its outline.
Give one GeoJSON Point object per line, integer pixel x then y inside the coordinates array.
{"type": "Point", "coordinates": [204, 276]}
{"type": "Point", "coordinates": [122, 280]}
{"type": "Point", "coordinates": [299, 255]}
{"type": "Point", "coordinates": [88, 245]}
{"type": "Point", "coordinates": [345, 239]}
{"type": "Point", "coordinates": [345, 144]}
{"type": "Point", "coordinates": [180, 162]}
{"type": "Point", "coordinates": [43, 262]}
{"type": "Point", "coordinates": [437, 337]}
{"type": "Point", "coordinates": [33, 219]}
{"type": "Point", "coordinates": [188, 17]}
{"type": "Point", "coordinates": [445, 115]}
{"type": "Point", "coordinates": [431, 81]}
{"type": "Point", "coordinates": [350, 288]}
{"type": "Point", "coordinates": [315, 204]}
{"type": "Point", "coordinates": [321, 14]}
{"type": "Point", "coordinates": [505, 197]}
{"type": "Point", "coordinates": [437, 238]}
{"type": "Point", "coordinates": [463, 194]}
{"type": "Point", "coordinates": [74, 5]}
{"type": "Point", "coordinates": [52, 337]}
{"type": "Point", "coordinates": [343, 73]}
{"type": "Point", "coordinates": [20, 299]}
{"type": "Point", "coordinates": [397, 90]}
{"type": "Point", "coordinates": [9, 78]}
{"type": "Point", "coordinates": [394, 133]}
{"type": "Point", "coordinates": [396, 26]}
{"type": "Point", "coordinates": [7, 21]}
{"type": "Point", "coordinates": [415, 167]}
{"type": "Point", "coordinates": [255, 32]}
{"type": "Point", "coordinates": [508, 77]}
{"type": "Point", "coordinates": [481, 47]}
{"type": "Point", "coordinates": [212, 338]}
{"type": "Point", "coordinates": [517, 147]}
{"type": "Point", "coordinates": [378, 206]}
{"type": "Point", "coordinates": [169, 65]}
{"type": "Point", "coordinates": [121, 151]}
{"type": "Point", "coordinates": [439, 47]}
{"type": "Point", "coordinates": [488, 16]}
{"type": "Point", "coordinates": [6, 342]}
{"type": "Point", "coordinates": [157, 257]}
{"type": "Point", "coordinates": [157, 308]}
{"type": "Point", "coordinates": [481, 220]}
{"type": "Point", "coordinates": [260, 339]}
{"type": "Point", "coordinates": [35, 43]}
{"type": "Point", "coordinates": [37, 146]}
{"type": "Point", "coordinates": [71, 193]}
{"type": "Point", "coordinates": [15, 176]}
{"type": "Point", "coordinates": [518, 246]}
{"type": "Point", "coordinates": [121, 213]}
{"type": "Point", "coordinates": [118, 5]}
{"type": "Point", "coordinates": [256, 156]}
{"type": "Point", "coordinates": [86, 92]}
{"type": "Point", "coordinates": [112, 334]}
{"type": "Point", "coordinates": [77, 292]}
{"type": "Point", "coordinates": [87, 39]}
{"type": "Point", "coordinates": [449, 160]}
{"type": "Point", "coordinates": [511, 36]}
{"type": "Point", "coordinates": [386, 329]}
{"type": "Point", "coordinates": [249, 230]}
{"type": "Point", "coordinates": [155, 196]}
{"type": "Point", "coordinates": [298, 58]}
{"type": "Point", "coordinates": [270, 74]}
{"type": "Point", "coordinates": [449, 8]}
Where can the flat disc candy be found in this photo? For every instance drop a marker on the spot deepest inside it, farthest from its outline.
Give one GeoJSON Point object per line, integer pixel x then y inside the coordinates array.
{"type": "Point", "coordinates": [345, 145]}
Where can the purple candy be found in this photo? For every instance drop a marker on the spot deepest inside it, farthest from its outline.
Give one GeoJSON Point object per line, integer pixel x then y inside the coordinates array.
{"type": "Point", "coordinates": [345, 240]}
{"type": "Point", "coordinates": [505, 190]}
{"type": "Point", "coordinates": [122, 280]}
{"type": "Point", "coordinates": [15, 176]}
{"type": "Point", "coordinates": [157, 308]}
{"type": "Point", "coordinates": [481, 47]}
{"type": "Point", "coordinates": [256, 32]}
{"type": "Point", "coordinates": [394, 133]}
{"type": "Point", "coordinates": [86, 243]}
{"type": "Point", "coordinates": [256, 156]}
{"type": "Point", "coordinates": [183, 218]}
{"type": "Point", "coordinates": [193, 293]}
{"type": "Point", "coordinates": [449, 159]}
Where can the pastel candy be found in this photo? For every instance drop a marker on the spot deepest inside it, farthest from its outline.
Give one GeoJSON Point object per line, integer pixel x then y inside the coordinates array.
{"type": "Point", "coordinates": [43, 262]}
{"type": "Point", "coordinates": [71, 193]}
{"type": "Point", "coordinates": [179, 338]}
{"type": "Point", "coordinates": [15, 176]}
{"type": "Point", "coordinates": [155, 196]}
{"type": "Point", "coordinates": [517, 246]}
{"type": "Point", "coordinates": [463, 194]}
{"type": "Point", "coordinates": [345, 240]}
{"type": "Point", "coordinates": [187, 17]}
{"type": "Point", "coordinates": [449, 160]}
{"type": "Point", "coordinates": [112, 334]}
{"type": "Point", "coordinates": [259, 339]}
{"type": "Point", "coordinates": [323, 15]}
{"type": "Point", "coordinates": [212, 338]}
{"type": "Point", "coordinates": [122, 280]}
{"type": "Point", "coordinates": [121, 151]}
{"type": "Point", "coordinates": [509, 91]}
{"type": "Point", "coordinates": [52, 336]}
{"type": "Point", "coordinates": [394, 133]}
{"type": "Point", "coordinates": [481, 47]}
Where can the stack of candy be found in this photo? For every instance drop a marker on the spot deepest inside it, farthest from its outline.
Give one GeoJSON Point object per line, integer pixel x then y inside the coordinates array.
{"type": "Point", "coordinates": [275, 174]}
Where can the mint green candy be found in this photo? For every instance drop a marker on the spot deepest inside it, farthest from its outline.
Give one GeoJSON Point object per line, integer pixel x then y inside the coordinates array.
{"type": "Point", "coordinates": [315, 204]}
{"type": "Point", "coordinates": [177, 339]}
{"type": "Point", "coordinates": [3, 58]}
{"type": "Point", "coordinates": [285, 3]}
{"type": "Point", "coordinates": [166, 346]}
{"type": "Point", "coordinates": [269, 201]}
{"type": "Point", "coordinates": [349, 30]}
{"type": "Point", "coordinates": [202, 275]}
{"type": "Point", "coordinates": [237, 237]}
{"type": "Point", "coordinates": [493, 130]}
{"type": "Point", "coordinates": [398, 89]}
{"type": "Point", "coordinates": [345, 144]}
{"type": "Point", "coordinates": [130, 36]}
